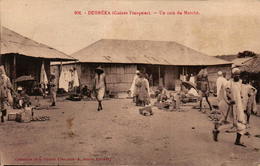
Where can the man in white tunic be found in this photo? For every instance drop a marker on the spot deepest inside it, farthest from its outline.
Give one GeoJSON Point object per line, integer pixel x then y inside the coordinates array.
{"type": "Point", "coordinates": [239, 117]}
{"type": "Point", "coordinates": [221, 82]}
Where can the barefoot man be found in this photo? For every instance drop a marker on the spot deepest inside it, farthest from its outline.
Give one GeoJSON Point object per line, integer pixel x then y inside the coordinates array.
{"type": "Point", "coordinates": [100, 86]}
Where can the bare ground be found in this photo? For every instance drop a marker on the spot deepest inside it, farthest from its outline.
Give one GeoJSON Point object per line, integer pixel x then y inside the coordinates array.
{"type": "Point", "coordinates": [77, 134]}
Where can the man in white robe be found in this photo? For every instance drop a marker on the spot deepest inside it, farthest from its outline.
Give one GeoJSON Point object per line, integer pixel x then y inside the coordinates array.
{"type": "Point", "coordinates": [221, 82]}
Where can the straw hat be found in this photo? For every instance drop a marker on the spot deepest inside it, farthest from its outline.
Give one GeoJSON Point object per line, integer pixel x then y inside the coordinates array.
{"type": "Point", "coordinates": [99, 68]}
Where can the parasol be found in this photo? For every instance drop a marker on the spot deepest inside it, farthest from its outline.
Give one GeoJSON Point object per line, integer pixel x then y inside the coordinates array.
{"type": "Point", "coordinates": [189, 85]}
{"type": "Point", "coordinates": [24, 78]}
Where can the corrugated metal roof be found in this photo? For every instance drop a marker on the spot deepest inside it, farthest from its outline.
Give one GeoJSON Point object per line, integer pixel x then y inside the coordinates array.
{"type": "Point", "coordinates": [144, 52]}
{"type": "Point", "coordinates": [12, 42]}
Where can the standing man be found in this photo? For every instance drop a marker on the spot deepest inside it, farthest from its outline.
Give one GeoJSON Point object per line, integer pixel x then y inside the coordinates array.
{"type": "Point", "coordinates": [203, 86]}
{"type": "Point", "coordinates": [221, 81]}
{"type": "Point", "coordinates": [239, 116]}
{"type": "Point", "coordinates": [238, 111]}
{"type": "Point", "coordinates": [132, 89]}
{"type": "Point", "coordinates": [53, 90]}
{"type": "Point", "coordinates": [99, 86]}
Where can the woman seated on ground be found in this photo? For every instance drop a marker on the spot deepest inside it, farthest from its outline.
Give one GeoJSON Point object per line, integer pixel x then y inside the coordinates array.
{"type": "Point", "coordinates": [21, 99]}
{"type": "Point", "coordinates": [162, 94]}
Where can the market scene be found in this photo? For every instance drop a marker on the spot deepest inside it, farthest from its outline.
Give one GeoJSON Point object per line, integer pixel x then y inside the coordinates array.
{"type": "Point", "coordinates": [122, 100]}
{"type": "Point", "coordinates": [129, 83]}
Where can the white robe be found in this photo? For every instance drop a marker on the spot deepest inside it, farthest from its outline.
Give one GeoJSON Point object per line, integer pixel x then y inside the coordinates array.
{"type": "Point", "coordinates": [221, 82]}
{"type": "Point", "coordinates": [238, 112]}
{"type": "Point", "coordinates": [63, 81]}
{"type": "Point", "coordinates": [132, 88]}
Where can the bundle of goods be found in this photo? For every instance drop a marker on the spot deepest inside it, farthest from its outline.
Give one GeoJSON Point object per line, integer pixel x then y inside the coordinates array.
{"type": "Point", "coordinates": [146, 111]}
{"type": "Point", "coordinates": [74, 97]}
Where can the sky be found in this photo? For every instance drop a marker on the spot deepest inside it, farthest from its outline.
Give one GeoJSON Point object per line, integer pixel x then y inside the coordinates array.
{"type": "Point", "coordinates": [221, 28]}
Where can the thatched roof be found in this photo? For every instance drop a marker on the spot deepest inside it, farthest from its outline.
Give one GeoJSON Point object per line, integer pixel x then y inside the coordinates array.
{"type": "Point", "coordinates": [227, 57]}
{"type": "Point", "coordinates": [144, 52]}
{"type": "Point", "coordinates": [12, 42]}
{"type": "Point", "coordinates": [252, 65]}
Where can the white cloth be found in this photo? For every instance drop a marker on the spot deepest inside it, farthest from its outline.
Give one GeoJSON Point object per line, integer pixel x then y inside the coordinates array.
{"type": "Point", "coordinates": [192, 79]}
{"type": "Point", "coordinates": [43, 77]}
{"type": "Point", "coordinates": [63, 81]}
{"type": "Point", "coordinates": [132, 88]}
{"type": "Point", "coordinates": [221, 82]}
{"type": "Point", "coordinates": [238, 112]}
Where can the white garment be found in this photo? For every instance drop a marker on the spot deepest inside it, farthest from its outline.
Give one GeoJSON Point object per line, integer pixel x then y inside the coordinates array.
{"type": "Point", "coordinates": [63, 81]}
{"type": "Point", "coordinates": [132, 88]}
{"type": "Point", "coordinates": [43, 77]}
{"type": "Point", "coordinates": [221, 81]}
{"type": "Point", "coordinates": [239, 115]}
{"type": "Point", "coordinates": [192, 79]}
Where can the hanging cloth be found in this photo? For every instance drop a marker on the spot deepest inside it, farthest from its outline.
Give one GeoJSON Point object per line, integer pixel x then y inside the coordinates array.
{"type": "Point", "coordinates": [43, 77]}
{"type": "Point", "coordinates": [63, 84]}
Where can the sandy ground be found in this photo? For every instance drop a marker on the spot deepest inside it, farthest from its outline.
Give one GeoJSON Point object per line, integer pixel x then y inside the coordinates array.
{"type": "Point", "coordinates": [77, 134]}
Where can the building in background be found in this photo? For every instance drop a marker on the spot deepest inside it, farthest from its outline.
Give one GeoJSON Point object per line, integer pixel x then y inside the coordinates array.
{"type": "Point", "coordinates": [163, 61]}
{"type": "Point", "coordinates": [22, 56]}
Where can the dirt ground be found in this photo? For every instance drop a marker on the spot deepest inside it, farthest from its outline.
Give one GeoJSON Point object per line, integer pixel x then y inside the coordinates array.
{"type": "Point", "coordinates": [77, 134]}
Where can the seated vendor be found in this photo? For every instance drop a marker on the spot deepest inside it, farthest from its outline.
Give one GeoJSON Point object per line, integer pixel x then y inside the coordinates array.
{"type": "Point", "coordinates": [21, 99]}
{"type": "Point", "coordinates": [162, 96]}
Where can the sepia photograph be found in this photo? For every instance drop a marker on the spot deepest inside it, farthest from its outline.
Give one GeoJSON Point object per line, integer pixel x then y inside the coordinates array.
{"type": "Point", "coordinates": [130, 82]}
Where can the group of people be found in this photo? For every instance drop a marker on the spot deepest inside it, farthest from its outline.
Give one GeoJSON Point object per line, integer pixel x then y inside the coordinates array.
{"type": "Point", "coordinates": [140, 90]}
{"type": "Point", "coordinates": [236, 102]}
{"type": "Point", "coordinates": [18, 98]}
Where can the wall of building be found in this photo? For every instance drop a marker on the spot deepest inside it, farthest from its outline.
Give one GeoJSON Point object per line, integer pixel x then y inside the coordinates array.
{"type": "Point", "coordinates": [119, 77]}
{"type": "Point", "coordinates": [171, 74]}
{"type": "Point", "coordinates": [213, 74]}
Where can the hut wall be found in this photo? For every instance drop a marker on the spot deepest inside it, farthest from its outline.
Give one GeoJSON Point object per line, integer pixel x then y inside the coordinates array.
{"type": "Point", "coordinates": [119, 77]}
{"type": "Point", "coordinates": [170, 76]}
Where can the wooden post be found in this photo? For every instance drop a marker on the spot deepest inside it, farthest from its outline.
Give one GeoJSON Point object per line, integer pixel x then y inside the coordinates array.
{"type": "Point", "coordinates": [14, 72]}
{"type": "Point", "coordinates": [159, 70]}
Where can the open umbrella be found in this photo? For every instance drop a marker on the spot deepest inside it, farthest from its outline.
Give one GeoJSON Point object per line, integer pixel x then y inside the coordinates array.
{"type": "Point", "coordinates": [189, 85]}
{"type": "Point", "coordinates": [24, 78]}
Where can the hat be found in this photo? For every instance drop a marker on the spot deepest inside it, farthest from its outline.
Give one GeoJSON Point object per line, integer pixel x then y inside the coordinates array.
{"type": "Point", "coordinates": [19, 88]}
{"type": "Point", "coordinates": [236, 71]}
{"type": "Point", "coordinates": [99, 68]}
{"type": "Point", "coordinates": [220, 73]}
{"type": "Point", "coordinates": [137, 72]}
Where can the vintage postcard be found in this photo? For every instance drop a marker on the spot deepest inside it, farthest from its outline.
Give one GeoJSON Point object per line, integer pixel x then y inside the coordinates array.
{"type": "Point", "coordinates": [130, 82]}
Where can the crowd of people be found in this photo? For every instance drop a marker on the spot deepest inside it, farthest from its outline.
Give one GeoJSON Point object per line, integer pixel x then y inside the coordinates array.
{"type": "Point", "coordinates": [236, 96]}
{"type": "Point", "coordinates": [19, 98]}
{"type": "Point", "coordinates": [236, 102]}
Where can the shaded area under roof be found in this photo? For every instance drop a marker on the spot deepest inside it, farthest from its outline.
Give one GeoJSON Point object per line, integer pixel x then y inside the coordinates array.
{"type": "Point", "coordinates": [144, 52]}
{"type": "Point", "coordinates": [14, 43]}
